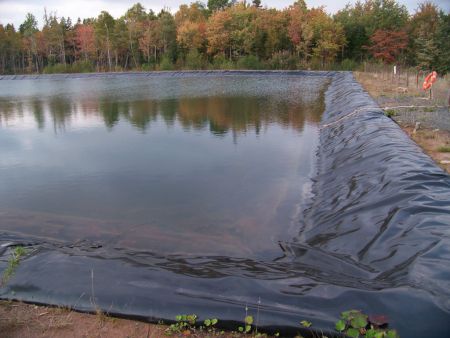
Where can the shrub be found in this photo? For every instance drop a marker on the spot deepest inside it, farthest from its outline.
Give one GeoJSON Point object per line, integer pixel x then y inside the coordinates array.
{"type": "Point", "coordinates": [348, 64]}
{"type": "Point", "coordinates": [55, 69]}
{"type": "Point", "coordinates": [221, 62]}
{"type": "Point", "coordinates": [166, 63]}
{"type": "Point", "coordinates": [81, 67]}
{"type": "Point", "coordinates": [283, 60]}
{"type": "Point", "coordinates": [193, 60]}
{"type": "Point", "coordinates": [249, 62]}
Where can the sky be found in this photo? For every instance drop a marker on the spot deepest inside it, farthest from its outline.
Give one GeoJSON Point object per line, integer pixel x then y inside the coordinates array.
{"type": "Point", "coordinates": [15, 11]}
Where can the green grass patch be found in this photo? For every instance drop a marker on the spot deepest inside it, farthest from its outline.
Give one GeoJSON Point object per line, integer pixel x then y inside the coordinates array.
{"type": "Point", "coordinates": [17, 254]}
{"type": "Point", "coordinates": [444, 149]}
{"type": "Point", "coordinates": [389, 112]}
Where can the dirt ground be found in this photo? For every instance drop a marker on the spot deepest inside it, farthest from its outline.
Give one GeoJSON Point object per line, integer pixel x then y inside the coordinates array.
{"type": "Point", "coordinates": [25, 320]}
{"type": "Point", "coordinates": [425, 120]}
{"type": "Point", "coordinates": [21, 320]}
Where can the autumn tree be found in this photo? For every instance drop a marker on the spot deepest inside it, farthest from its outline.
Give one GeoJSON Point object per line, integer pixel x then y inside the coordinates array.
{"type": "Point", "coordinates": [231, 33]}
{"type": "Point", "coordinates": [103, 27]}
{"type": "Point", "coordinates": [271, 32]}
{"type": "Point", "coordinates": [353, 20]}
{"type": "Point", "coordinates": [191, 26]}
{"type": "Point", "coordinates": [422, 30]}
{"type": "Point", "coordinates": [388, 45]}
{"type": "Point", "coordinates": [85, 40]}
{"type": "Point", "coordinates": [214, 5]}
{"type": "Point", "coordinates": [168, 34]}
{"type": "Point", "coordinates": [219, 33]}
{"type": "Point", "coordinates": [442, 64]}
{"type": "Point", "coordinates": [135, 19]}
{"type": "Point", "coordinates": [151, 40]}
{"type": "Point", "coordinates": [256, 3]}
{"type": "Point", "coordinates": [300, 29]}
{"type": "Point", "coordinates": [328, 36]}
{"type": "Point", "coordinates": [11, 49]}
{"type": "Point", "coordinates": [361, 20]}
{"type": "Point", "coordinates": [28, 30]}
{"type": "Point", "coordinates": [121, 47]}
{"type": "Point", "coordinates": [54, 35]}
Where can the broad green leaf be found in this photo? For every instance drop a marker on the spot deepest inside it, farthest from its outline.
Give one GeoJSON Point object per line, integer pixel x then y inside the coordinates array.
{"type": "Point", "coordinates": [248, 328]}
{"type": "Point", "coordinates": [240, 329]}
{"type": "Point", "coordinates": [349, 314]}
{"type": "Point", "coordinates": [249, 320]}
{"type": "Point", "coordinates": [178, 318]}
{"type": "Point", "coordinates": [359, 321]}
{"type": "Point", "coordinates": [353, 333]}
{"type": "Point", "coordinates": [214, 321]}
{"type": "Point", "coordinates": [340, 325]}
{"type": "Point", "coordinates": [391, 334]}
{"type": "Point", "coordinates": [371, 333]}
{"type": "Point", "coordinates": [207, 322]}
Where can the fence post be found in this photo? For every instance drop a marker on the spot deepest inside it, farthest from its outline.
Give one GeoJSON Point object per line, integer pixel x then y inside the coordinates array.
{"type": "Point", "coordinates": [448, 102]}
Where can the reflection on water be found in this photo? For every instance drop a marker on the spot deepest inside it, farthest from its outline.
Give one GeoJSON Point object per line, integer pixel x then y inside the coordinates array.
{"type": "Point", "coordinates": [220, 115]}
{"type": "Point", "coordinates": [215, 165]}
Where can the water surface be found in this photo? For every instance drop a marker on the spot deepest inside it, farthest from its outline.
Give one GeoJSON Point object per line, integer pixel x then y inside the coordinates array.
{"type": "Point", "coordinates": [217, 165]}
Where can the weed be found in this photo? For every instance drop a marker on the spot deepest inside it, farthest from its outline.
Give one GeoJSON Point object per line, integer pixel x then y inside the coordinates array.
{"type": "Point", "coordinates": [444, 149]}
{"type": "Point", "coordinates": [356, 324]}
{"type": "Point", "coordinates": [247, 328]}
{"type": "Point", "coordinates": [305, 323]}
{"type": "Point", "coordinates": [209, 325]}
{"type": "Point", "coordinates": [17, 254]}
{"type": "Point", "coordinates": [389, 113]}
{"type": "Point", "coordinates": [184, 324]}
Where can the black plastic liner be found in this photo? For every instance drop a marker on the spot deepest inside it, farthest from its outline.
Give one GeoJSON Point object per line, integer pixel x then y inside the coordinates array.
{"type": "Point", "coordinates": [375, 237]}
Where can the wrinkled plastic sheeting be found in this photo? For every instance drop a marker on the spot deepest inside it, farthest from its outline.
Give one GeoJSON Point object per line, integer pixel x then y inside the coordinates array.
{"type": "Point", "coordinates": [375, 237]}
{"type": "Point", "coordinates": [380, 203]}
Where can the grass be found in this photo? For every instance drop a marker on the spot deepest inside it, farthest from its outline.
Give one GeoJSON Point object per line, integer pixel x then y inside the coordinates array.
{"type": "Point", "coordinates": [389, 112]}
{"type": "Point", "coordinates": [444, 149]}
{"type": "Point", "coordinates": [17, 254]}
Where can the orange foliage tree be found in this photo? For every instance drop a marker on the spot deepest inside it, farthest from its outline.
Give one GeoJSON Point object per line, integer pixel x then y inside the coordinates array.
{"type": "Point", "coordinates": [388, 45]}
{"type": "Point", "coordinates": [85, 40]}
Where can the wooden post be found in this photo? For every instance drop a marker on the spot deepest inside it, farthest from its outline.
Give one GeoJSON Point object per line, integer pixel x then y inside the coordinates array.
{"type": "Point", "coordinates": [407, 77]}
{"type": "Point", "coordinates": [431, 94]}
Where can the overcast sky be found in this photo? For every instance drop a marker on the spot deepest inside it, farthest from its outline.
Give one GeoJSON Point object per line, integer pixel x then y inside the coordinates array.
{"type": "Point", "coordinates": [15, 11]}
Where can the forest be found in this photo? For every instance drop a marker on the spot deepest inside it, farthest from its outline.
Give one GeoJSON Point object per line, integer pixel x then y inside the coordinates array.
{"type": "Point", "coordinates": [224, 34]}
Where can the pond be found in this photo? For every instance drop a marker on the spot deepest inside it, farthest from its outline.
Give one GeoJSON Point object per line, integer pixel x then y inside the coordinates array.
{"type": "Point", "coordinates": [217, 193]}
{"type": "Point", "coordinates": [188, 165]}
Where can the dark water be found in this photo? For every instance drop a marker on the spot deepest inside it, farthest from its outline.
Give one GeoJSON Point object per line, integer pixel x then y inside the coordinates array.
{"type": "Point", "coordinates": [219, 165]}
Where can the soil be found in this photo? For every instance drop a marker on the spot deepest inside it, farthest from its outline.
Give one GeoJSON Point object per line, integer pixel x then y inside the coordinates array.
{"type": "Point", "coordinates": [430, 141]}
{"type": "Point", "coordinates": [21, 320]}
{"type": "Point", "coordinates": [424, 120]}
{"type": "Point", "coordinates": [25, 320]}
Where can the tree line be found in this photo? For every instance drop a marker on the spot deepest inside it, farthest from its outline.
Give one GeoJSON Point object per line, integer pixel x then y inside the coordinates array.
{"type": "Point", "coordinates": [225, 34]}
